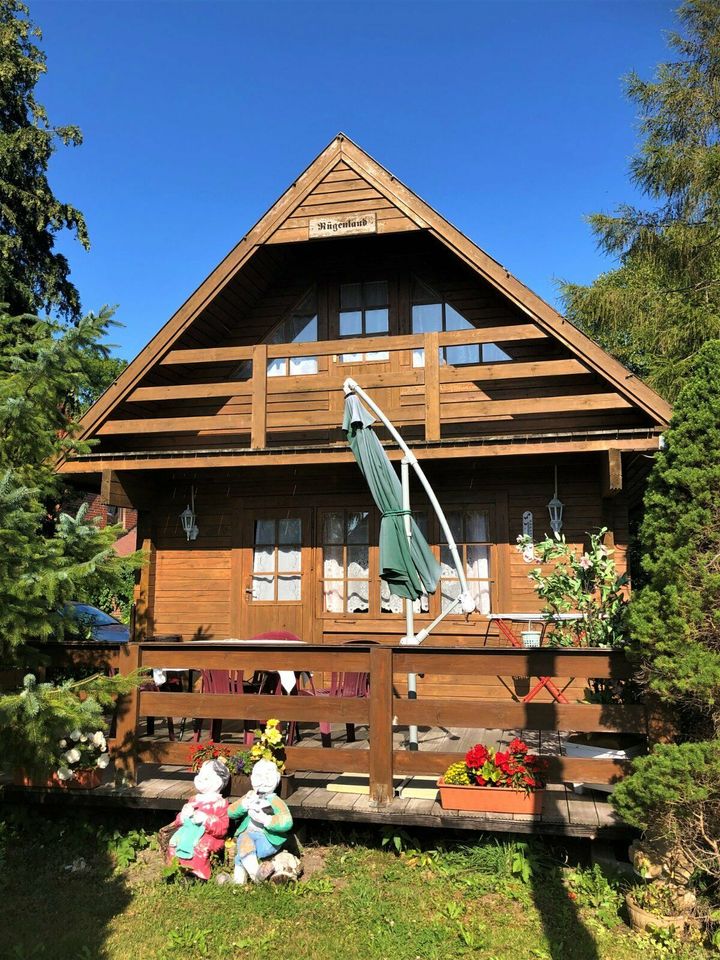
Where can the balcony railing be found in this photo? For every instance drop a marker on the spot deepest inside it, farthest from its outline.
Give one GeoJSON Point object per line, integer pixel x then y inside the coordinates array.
{"type": "Point", "coordinates": [426, 397]}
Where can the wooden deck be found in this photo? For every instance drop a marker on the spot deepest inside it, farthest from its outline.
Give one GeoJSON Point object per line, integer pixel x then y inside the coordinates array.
{"type": "Point", "coordinates": [564, 813]}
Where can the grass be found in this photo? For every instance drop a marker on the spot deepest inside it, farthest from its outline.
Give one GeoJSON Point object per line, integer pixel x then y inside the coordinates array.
{"type": "Point", "coordinates": [94, 890]}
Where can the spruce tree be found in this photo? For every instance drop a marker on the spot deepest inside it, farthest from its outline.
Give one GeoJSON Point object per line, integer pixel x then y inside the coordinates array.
{"type": "Point", "coordinates": [674, 620]}
{"type": "Point", "coordinates": [662, 302]}
{"type": "Point", "coordinates": [34, 277]}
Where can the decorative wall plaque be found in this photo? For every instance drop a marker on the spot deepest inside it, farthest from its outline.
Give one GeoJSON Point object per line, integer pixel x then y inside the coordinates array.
{"type": "Point", "coordinates": [347, 225]}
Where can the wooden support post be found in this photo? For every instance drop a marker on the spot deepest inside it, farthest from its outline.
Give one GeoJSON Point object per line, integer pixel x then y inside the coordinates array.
{"type": "Point", "coordinates": [612, 475]}
{"type": "Point", "coordinates": [258, 415]}
{"type": "Point", "coordinates": [144, 589]}
{"type": "Point", "coordinates": [381, 725]}
{"type": "Point", "coordinates": [128, 716]}
{"type": "Point", "coordinates": [432, 386]}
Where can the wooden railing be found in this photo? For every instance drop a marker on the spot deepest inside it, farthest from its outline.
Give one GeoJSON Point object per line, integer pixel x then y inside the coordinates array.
{"type": "Point", "coordinates": [381, 710]}
{"type": "Point", "coordinates": [427, 396]}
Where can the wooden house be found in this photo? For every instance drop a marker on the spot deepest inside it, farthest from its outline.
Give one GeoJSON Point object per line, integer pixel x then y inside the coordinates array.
{"type": "Point", "coordinates": [237, 401]}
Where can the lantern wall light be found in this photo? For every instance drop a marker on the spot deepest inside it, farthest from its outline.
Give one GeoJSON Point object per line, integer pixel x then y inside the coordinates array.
{"type": "Point", "coordinates": [188, 519]}
{"type": "Point", "coordinates": [555, 509]}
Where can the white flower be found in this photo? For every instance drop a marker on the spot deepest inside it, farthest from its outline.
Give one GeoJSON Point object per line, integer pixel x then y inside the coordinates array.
{"type": "Point", "coordinates": [64, 774]}
{"type": "Point", "coordinates": [75, 735]}
{"type": "Point", "coordinates": [63, 743]}
{"type": "Point", "coordinates": [83, 739]}
{"type": "Point", "coordinates": [99, 741]}
{"type": "Point", "coordinates": [103, 760]}
{"type": "Point", "coordinates": [72, 756]}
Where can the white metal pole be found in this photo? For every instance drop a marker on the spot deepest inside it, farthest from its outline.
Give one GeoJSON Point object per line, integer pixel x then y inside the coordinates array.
{"type": "Point", "coordinates": [409, 612]}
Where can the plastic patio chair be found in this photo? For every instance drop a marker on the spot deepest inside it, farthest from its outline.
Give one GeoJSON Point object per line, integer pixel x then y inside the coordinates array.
{"type": "Point", "coordinates": [219, 682]}
{"type": "Point", "coordinates": [343, 685]}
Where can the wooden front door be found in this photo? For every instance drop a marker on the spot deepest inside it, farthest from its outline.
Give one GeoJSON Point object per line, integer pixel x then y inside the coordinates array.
{"type": "Point", "coordinates": [277, 591]}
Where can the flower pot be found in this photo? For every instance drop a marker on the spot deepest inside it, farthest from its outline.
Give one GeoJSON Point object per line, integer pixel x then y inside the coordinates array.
{"type": "Point", "coordinates": [81, 780]}
{"type": "Point", "coordinates": [531, 638]}
{"type": "Point", "coordinates": [641, 919]}
{"type": "Point", "coordinates": [240, 784]}
{"type": "Point", "coordinates": [489, 799]}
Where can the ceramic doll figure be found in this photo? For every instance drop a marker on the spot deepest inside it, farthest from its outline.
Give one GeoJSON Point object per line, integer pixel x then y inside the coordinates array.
{"type": "Point", "coordinates": [203, 821]}
{"type": "Point", "coordinates": [265, 822]}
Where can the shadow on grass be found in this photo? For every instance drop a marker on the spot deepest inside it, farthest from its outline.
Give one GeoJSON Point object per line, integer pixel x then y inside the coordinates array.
{"type": "Point", "coordinates": [567, 936]}
{"type": "Point", "coordinates": [59, 891]}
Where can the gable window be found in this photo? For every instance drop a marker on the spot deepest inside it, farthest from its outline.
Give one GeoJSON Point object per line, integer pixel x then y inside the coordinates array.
{"type": "Point", "coordinates": [364, 312]}
{"type": "Point", "coordinates": [430, 314]}
{"type": "Point", "coordinates": [300, 327]}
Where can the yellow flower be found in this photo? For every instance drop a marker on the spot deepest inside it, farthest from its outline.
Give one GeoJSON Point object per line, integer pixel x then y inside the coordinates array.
{"type": "Point", "coordinates": [273, 723]}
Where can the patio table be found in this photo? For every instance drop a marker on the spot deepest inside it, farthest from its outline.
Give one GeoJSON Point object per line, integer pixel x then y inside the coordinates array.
{"type": "Point", "coordinates": [505, 621]}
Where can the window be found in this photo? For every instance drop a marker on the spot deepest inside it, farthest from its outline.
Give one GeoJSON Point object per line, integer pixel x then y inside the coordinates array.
{"type": "Point", "coordinates": [345, 558]}
{"type": "Point", "coordinates": [364, 312]}
{"type": "Point", "coordinates": [430, 313]}
{"type": "Point", "coordinates": [301, 326]}
{"type": "Point", "coordinates": [277, 559]}
{"type": "Point", "coordinates": [470, 528]}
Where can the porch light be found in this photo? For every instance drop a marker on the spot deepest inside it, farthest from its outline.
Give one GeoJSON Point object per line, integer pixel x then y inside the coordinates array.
{"type": "Point", "coordinates": [555, 509]}
{"type": "Point", "coordinates": [187, 518]}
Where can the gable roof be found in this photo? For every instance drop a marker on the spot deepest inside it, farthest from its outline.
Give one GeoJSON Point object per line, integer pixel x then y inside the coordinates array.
{"type": "Point", "coordinates": [402, 209]}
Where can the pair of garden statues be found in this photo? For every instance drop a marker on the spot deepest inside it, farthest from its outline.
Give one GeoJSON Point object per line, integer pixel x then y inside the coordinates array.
{"type": "Point", "coordinates": [203, 823]}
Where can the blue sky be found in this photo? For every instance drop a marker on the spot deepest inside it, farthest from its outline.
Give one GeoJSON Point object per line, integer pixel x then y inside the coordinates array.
{"type": "Point", "coordinates": [508, 117]}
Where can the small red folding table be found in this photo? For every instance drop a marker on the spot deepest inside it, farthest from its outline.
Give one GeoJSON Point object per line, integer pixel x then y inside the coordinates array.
{"type": "Point", "coordinates": [505, 622]}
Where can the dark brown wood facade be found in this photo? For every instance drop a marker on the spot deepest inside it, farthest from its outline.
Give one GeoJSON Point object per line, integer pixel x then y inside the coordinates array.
{"type": "Point", "coordinates": [219, 401]}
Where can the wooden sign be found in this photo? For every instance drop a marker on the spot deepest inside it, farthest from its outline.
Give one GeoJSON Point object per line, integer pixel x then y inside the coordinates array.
{"type": "Point", "coordinates": [347, 225]}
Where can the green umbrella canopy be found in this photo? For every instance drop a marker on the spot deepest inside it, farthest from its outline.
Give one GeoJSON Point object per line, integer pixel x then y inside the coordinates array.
{"type": "Point", "coordinates": [407, 565]}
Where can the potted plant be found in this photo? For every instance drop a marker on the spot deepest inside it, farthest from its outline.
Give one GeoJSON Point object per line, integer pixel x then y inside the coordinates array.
{"type": "Point", "coordinates": [82, 758]}
{"type": "Point", "coordinates": [269, 745]}
{"type": "Point", "coordinates": [494, 781]}
{"type": "Point", "coordinates": [659, 905]}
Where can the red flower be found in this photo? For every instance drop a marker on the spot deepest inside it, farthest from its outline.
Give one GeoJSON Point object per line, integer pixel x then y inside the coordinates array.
{"type": "Point", "coordinates": [477, 757]}
{"type": "Point", "coordinates": [517, 746]}
{"type": "Point", "coordinates": [480, 781]}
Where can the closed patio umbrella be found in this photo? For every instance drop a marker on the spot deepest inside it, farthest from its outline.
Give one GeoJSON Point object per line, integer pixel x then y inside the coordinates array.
{"type": "Point", "coordinates": [406, 562]}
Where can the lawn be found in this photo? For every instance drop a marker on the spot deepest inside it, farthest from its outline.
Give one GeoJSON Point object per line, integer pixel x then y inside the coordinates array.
{"type": "Point", "coordinates": [86, 889]}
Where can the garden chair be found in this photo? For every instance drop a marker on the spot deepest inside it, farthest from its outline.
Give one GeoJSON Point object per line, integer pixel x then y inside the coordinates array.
{"type": "Point", "coordinates": [219, 682]}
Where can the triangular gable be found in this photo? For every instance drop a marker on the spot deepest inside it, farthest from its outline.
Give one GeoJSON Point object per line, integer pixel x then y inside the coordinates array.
{"type": "Point", "coordinates": [369, 182]}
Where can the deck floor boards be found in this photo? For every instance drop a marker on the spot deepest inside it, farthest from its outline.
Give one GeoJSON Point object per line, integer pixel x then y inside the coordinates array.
{"type": "Point", "coordinates": [166, 787]}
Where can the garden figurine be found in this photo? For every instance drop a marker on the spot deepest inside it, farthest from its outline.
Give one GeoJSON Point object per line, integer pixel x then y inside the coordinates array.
{"type": "Point", "coordinates": [265, 823]}
{"type": "Point", "coordinates": [203, 822]}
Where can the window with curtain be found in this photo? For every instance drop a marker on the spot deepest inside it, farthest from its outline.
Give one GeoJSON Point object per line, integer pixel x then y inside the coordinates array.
{"type": "Point", "coordinates": [346, 561]}
{"type": "Point", "coordinates": [277, 560]}
{"type": "Point", "coordinates": [432, 314]}
{"type": "Point", "coordinates": [364, 312]}
{"type": "Point", "coordinates": [470, 528]}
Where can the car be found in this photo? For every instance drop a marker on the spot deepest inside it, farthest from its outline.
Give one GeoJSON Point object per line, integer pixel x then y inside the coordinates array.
{"type": "Point", "coordinates": [97, 625]}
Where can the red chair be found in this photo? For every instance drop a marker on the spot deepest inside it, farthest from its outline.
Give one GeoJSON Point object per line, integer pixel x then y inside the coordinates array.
{"type": "Point", "coordinates": [218, 682]}
{"type": "Point", "coordinates": [343, 685]}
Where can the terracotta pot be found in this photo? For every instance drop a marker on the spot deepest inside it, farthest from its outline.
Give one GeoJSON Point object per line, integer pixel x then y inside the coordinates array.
{"type": "Point", "coordinates": [240, 784]}
{"type": "Point", "coordinates": [82, 780]}
{"type": "Point", "coordinates": [641, 919]}
{"type": "Point", "coordinates": [489, 799]}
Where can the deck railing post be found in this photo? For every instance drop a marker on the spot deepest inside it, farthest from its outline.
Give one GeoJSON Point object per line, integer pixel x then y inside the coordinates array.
{"type": "Point", "coordinates": [128, 717]}
{"type": "Point", "coordinates": [432, 386]}
{"type": "Point", "coordinates": [258, 413]}
{"type": "Point", "coordinates": [381, 725]}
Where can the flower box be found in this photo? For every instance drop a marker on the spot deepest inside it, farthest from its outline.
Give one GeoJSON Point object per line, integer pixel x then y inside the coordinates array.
{"type": "Point", "coordinates": [81, 780]}
{"type": "Point", "coordinates": [489, 799]}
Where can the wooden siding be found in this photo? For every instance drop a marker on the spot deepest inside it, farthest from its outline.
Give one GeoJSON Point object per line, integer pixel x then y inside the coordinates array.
{"type": "Point", "coordinates": [341, 191]}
